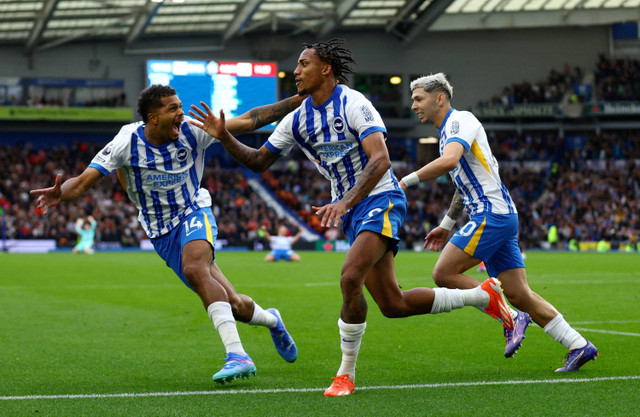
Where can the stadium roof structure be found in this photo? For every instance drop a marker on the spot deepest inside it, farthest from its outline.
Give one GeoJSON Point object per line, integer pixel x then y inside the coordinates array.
{"type": "Point", "coordinates": [44, 24]}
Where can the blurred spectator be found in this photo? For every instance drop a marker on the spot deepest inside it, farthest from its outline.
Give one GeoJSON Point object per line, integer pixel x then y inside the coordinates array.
{"type": "Point", "coordinates": [617, 79]}
{"type": "Point", "coordinates": [590, 191]}
{"type": "Point", "coordinates": [549, 90]}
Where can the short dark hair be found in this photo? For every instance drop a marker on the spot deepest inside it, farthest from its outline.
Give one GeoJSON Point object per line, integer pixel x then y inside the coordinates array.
{"type": "Point", "coordinates": [333, 53]}
{"type": "Point", "coordinates": [151, 99]}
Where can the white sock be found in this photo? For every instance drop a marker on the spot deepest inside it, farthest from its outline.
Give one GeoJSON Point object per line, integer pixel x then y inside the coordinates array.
{"type": "Point", "coordinates": [350, 339]}
{"type": "Point", "coordinates": [262, 318]}
{"type": "Point", "coordinates": [222, 318]}
{"type": "Point", "coordinates": [447, 299]}
{"type": "Point", "coordinates": [476, 297]}
{"type": "Point", "coordinates": [562, 332]}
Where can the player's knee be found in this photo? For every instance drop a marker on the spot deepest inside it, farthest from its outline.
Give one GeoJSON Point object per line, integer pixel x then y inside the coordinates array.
{"type": "Point", "coordinates": [441, 277]}
{"type": "Point", "coordinates": [350, 283]}
{"type": "Point", "coordinates": [519, 299]}
{"type": "Point", "coordinates": [195, 275]}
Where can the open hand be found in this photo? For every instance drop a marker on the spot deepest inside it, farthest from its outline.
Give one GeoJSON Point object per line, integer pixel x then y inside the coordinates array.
{"type": "Point", "coordinates": [435, 239]}
{"type": "Point", "coordinates": [49, 197]}
{"type": "Point", "coordinates": [214, 126]}
{"type": "Point", "coordinates": [331, 213]}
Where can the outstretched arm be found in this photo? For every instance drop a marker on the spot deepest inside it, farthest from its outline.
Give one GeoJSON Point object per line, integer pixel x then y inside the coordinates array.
{"type": "Point", "coordinates": [69, 190]}
{"type": "Point", "coordinates": [266, 232]}
{"type": "Point", "coordinates": [257, 160]}
{"type": "Point", "coordinates": [296, 237]}
{"type": "Point", "coordinates": [263, 115]}
{"type": "Point", "coordinates": [440, 166]}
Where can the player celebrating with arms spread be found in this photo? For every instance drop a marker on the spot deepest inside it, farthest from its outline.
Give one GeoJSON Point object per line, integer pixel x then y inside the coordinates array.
{"type": "Point", "coordinates": [281, 244]}
{"type": "Point", "coordinates": [162, 162]}
{"type": "Point", "coordinates": [491, 235]}
{"type": "Point", "coordinates": [342, 133]}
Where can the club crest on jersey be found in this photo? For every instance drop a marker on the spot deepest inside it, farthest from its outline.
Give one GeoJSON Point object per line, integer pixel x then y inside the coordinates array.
{"type": "Point", "coordinates": [455, 127]}
{"type": "Point", "coordinates": [182, 154]}
{"type": "Point", "coordinates": [338, 124]}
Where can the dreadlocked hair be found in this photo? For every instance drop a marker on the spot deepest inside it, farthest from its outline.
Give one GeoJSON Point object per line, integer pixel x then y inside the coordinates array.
{"type": "Point", "coordinates": [333, 53]}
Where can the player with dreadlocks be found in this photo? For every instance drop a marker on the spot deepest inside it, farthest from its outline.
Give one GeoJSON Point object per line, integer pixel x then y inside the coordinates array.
{"type": "Point", "coordinates": [342, 133]}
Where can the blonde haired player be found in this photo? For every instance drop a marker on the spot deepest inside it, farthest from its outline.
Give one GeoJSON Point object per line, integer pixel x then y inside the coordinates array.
{"type": "Point", "coordinates": [491, 234]}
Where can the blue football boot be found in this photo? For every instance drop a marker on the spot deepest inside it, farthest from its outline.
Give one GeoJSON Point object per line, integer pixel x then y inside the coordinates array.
{"type": "Point", "coordinates": [578, 357]}
{"type": "Point", "coordinates": [237, 366]}
{"type": "Point", "coordinates": [514, 337]}
{"type": "Point", "coordinates": [282, 340]}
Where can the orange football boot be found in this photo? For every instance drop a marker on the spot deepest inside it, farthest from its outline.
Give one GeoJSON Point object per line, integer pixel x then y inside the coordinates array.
{"type": "Point", "coordinates": [341, 385]}
{"type": "Point", "coordinates": [498, 307]}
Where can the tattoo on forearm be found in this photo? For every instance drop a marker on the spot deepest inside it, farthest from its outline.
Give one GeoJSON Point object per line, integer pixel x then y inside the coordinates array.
{"type": "Point", "coordinates": [257, 160]}
{"type": "Point", "coordinates": [242, 153]}
{"type": "Point", "coordinates": [456, 207]}
{"type": "Point", "coordinates": [366, 182]}
{"type": "Point", "coordinates": [263, 115]}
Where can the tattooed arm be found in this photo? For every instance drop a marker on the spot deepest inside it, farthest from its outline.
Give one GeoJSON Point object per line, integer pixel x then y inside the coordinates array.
{"type": "Point", "coordinates": [257, 160]}
{"type": "Point", "coordinates": [436, 238]}
{"type": "Point", "coordinates": [456, 206]}
{"type": "Point", "coordinates": [379, 163]}
{"type": "Point", "coordinates": [263, 115]}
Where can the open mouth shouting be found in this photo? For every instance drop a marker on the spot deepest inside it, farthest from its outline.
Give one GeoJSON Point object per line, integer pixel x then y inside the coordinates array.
{"type": "Point", "coordinates": [175, 129]}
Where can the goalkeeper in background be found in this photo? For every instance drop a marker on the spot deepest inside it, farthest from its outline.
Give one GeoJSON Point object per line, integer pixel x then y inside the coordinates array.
{"type": "Point", "coordinates": [86, 230]}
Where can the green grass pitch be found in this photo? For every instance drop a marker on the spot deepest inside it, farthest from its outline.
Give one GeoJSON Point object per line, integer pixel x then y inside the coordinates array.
{"type": "Point", "coordinates": [117, 334]}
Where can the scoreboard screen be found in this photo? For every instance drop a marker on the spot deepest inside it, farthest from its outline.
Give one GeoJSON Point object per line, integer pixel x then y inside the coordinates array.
{"type": "Point", "coordinates": [234, 87]}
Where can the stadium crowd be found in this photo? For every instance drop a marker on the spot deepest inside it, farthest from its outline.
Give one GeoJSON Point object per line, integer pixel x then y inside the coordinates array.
{"type": "Point", "coordinates": [589, 191]}
{"type": "Point", "coordinates": [615, 79]}
{"type": "Point", "coordinates": [587, 185]}
{"type": "Point", "coordinates": [239, 211]}
{"type": "Point", "coordinates": [618, 79]}
{"type": "Point", "coordinates": [549, 90]}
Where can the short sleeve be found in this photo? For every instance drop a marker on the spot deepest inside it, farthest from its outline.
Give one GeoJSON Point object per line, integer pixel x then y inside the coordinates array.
{"type": "Point", "coordinates": [282, 139]}
{"type": "Point", "coordinates": [463, 128]}
{"type": "Point", "coordinates": [115, 154]}
{"type": "Point", "coordinates": [364, 118]}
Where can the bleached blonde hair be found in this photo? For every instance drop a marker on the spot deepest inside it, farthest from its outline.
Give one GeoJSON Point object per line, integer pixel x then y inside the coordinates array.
{"type": "Point", "coordinates": [433, 82]}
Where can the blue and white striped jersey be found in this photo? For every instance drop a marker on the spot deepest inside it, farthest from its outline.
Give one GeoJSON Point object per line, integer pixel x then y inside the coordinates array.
{"type": "Point", "coordinates": [330, 135]}
{"type": "Point", "coordinates": [281, 242]}
{"type": "Point", "coordinates": [162, 181]}
{"type": "Point", "coordinates": [476, 176]}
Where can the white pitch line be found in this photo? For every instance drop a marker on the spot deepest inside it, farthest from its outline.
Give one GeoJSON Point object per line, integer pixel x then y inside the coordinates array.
{"type": "Point", "coordinates": [303, 390]}
{"type": "Point", "coordinates": [584, 329]}
{"type": "Point", "coordinates": [584, 281]}
{"type": "Point", "coordinates": [89, 286]}
{"type": "Point", "coordinates": [606, 322]}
